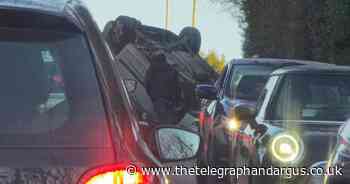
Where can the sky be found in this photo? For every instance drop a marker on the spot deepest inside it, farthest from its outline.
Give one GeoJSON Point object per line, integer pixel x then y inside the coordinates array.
{"type": "Point", "coordinates": [220, 31]}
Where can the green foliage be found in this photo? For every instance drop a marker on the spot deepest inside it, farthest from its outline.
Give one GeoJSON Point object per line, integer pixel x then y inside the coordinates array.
{"type": "Point", "coordinates": [299, 29]}
{"type": "Point", "coordinates": [218, 63]}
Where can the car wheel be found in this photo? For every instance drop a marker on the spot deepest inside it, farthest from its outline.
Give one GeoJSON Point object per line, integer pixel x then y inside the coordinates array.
{"type": "Point", "coordinates": [124, 29]}
{"type": "Point", "coordinates": [193, 38]}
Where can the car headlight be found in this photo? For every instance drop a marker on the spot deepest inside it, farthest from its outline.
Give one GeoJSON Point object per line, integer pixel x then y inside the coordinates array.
{"type": "Point", "coordinates": [232, 124]}
{"type": "Point", "coordinates": [286, 148]}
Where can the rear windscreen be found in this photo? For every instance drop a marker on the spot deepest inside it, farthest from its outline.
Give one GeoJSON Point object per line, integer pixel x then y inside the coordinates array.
{"type": "Point", "coordinates": [49, 92]}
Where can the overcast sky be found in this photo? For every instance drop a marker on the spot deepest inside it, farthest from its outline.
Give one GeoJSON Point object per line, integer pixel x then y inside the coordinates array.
{"type": "Point", "coordinates": [219, 30]}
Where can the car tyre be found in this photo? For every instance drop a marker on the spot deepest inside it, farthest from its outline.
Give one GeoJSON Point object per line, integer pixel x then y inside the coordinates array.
{"type": "Point", "coordinates": [193, 38]}
{"type": "Point", "coordinates": [125, 28]}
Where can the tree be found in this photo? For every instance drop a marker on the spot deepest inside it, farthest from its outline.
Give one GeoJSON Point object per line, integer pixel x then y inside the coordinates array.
{"type": "Point", "coordinates": [298, 29]}
{"type": "Point", "coordinates": [214, 60]}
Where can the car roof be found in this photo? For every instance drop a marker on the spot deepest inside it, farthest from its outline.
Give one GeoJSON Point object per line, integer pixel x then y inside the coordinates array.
{"type": "Point", "coordinates": [60, 8]}
{"type": "Point", "coordinates": [313, 69]}
{"type": "Point", "coordinates": [51, 6]}
{"type": "Point", "coordinates": [273, 62]}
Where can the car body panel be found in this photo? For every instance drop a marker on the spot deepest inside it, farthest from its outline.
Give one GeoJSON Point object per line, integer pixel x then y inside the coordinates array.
{"type": "Point", "coordinates": [311, 138]}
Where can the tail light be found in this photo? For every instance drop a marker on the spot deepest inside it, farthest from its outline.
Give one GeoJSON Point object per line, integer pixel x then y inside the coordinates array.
{"type": "Point", "coordinates": [201, 117]}
{"type": "Point", "coordinates": [115, 174]}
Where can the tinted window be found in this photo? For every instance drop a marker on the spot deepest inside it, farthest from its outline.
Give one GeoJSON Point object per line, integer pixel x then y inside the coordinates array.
{"type": "Point", "coordinates": [247, 81]}
{"type": "Point", "coordinates": [49, 93]}
{"type": "Point", "coordinates": [313, 97]}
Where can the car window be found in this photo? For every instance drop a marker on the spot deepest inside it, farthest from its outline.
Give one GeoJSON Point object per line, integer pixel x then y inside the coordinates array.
{"type": "Point", "coordinates": [49, 93]}
{"type": "Point", "coordinates": [314, 98]}
{"type": "Point", "coordinates": [247, 81]}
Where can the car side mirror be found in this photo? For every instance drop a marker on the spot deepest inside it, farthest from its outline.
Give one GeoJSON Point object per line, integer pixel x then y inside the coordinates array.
{"type": "Point", "coordinates": [244, 113]}
{"type": "Point", "coordinates": [130, 85]}
{"type": "Point", "coordinates": [207, 92]}
{"type": "Point", "coordinates": [176, 144]}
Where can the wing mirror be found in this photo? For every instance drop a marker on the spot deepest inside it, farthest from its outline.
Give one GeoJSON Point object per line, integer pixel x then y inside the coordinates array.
{"type": "Point", "coordinates": [245, 113]}
{"type": "Point", "coordinates": [176, 144]}
{"type": "Point", "coordinates": [207, 92]}
{"type": "Point", "coordinates": [130, 85]}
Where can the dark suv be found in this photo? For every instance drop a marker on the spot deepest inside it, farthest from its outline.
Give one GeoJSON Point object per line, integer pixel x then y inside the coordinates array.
{"type": "Point", "coordinates": [296, 122]}
{"type": "Point", "coordinates": [241, 83]}
{"type": "Point", "coordinates": [65, 116]}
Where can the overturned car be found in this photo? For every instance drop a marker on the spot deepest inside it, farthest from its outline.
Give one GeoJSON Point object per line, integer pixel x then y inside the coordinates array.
{"type": "Point", "coordinates": [159, 68]}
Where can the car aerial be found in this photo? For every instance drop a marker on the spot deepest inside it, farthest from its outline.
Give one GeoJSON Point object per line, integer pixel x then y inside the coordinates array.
{"type": "Point", "coordinates": [296, 122]}
{"type": "Point", "coordinates": [65, 113]}
{"type": "Point", "coordinates": [241, 82]}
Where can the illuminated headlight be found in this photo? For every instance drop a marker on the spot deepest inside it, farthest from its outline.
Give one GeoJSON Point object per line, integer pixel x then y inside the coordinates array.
{"type": "Point", "coordinates": [286, 148]}
{"type": "Point", "coordinates": [232, 125]}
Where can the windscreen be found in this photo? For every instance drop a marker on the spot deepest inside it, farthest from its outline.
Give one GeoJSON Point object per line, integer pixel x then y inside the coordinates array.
{"type": "Point", "coordinates": [313, 98]}
{"type": "Point", "coordinates": [247, 81]}
{"type": "Point", "coordinates": [49, 94]}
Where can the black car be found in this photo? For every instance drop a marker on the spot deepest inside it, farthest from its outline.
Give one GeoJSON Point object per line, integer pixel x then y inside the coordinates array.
{"type": "Point", "coordinates": [65, 116]}
{"type": "Point", "coordinates": [241, 83]}
{"type": "Point", "coordinates": [165, 66]}
{"type": "Point", "coordinates": [296, 122]}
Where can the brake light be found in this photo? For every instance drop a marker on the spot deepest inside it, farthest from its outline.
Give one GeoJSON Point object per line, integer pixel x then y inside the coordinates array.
{"type": "Point", "coordinates": [114, 174]}
{"type": "Point", "coordinates": [201, 117]}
